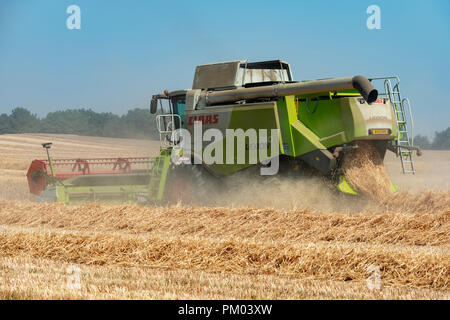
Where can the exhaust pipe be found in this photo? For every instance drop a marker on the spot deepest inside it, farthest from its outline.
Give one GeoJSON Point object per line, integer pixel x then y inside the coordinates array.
{"type": "Point", "coordinates": [360, 83]}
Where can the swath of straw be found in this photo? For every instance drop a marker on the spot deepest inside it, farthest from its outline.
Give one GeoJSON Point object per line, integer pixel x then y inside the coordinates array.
{"type": "Point", "coordinates": [432, 229]}
{"type": "Point", "coordinates": [399, 266]}
{"type": "Point", "coordinates": [35, 278]}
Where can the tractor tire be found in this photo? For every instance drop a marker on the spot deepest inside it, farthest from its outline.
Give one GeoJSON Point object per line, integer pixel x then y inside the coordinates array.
{"type": "Point", "coordinates": [192, 185]}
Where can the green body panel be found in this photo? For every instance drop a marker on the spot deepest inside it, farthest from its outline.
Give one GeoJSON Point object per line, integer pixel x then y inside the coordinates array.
{"type": "Point", "coordinates": [305, 139]}
{"type": "Point", "coordinates": [305, 123]}
{"type": "Point", "coordinates": [354, 116]}
{"type": "Point", "coordinates": [345, 187]}
{"type": "Point", "coordinates": [323, 118]}
{"type": "Point", "coordinates": [247, 116]}
{"type": "Point", "coordinates": [158, 177]}
{"type": "Point", "coordinates": [285, 112]}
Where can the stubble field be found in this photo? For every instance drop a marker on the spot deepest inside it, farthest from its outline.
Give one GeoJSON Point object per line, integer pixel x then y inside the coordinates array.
{"type": "Point", "coordinates": [298, 241]}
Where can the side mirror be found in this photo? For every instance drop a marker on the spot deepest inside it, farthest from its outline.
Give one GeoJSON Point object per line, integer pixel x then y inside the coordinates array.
{"type": "Point", "coordinates": [47, 145]}
{"type": "Point", "coordinates": [153, 105]}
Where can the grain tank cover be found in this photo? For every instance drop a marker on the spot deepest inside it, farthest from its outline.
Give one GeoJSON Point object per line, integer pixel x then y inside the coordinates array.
{"type": "Point", "coordinates": [240, 73]}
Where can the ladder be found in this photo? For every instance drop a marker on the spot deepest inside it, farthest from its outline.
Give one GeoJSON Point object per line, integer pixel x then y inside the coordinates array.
{"type": "Point", "coordinates": [158, 176]}
{"type": "Point", "coordinates": [166, 124]}
{"type": "Point", "coordinates": [401, 106]}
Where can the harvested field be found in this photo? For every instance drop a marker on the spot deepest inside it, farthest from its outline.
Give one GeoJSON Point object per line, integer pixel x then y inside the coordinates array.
{"type": "Point", "coordinates": [49, 281]}
{"type": "Point", "coordinates": [317, 249]}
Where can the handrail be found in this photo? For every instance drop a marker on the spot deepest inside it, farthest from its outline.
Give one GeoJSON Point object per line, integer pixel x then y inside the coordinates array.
{"type": "Point", "coordinates": [169, 128]}
{"type": "Point", "coordinates": [397, 78]}
{"type": "Point", "coordinates": [410, 118]}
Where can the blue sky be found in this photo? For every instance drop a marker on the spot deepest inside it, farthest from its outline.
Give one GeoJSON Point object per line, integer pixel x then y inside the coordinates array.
{"type": "Point", "coordinates": [128, 50]}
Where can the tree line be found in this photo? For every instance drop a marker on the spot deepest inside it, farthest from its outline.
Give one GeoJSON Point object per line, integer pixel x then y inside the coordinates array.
{"type": "Point", "coordinates": [441, 140]}
{"type": "Point", "coordinates": [136, 123]}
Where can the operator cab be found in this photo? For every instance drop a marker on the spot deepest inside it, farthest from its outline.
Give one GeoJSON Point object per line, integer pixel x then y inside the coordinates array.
{"type": "Point", "coordinates": [178, 102]}
{"type": "Point", "coordinates": [170, 103]}
{"type": "Point", "coordinates": [215, 77]}
{"type": "Point", "coordinates": [171, 107]}
{"type": "Point", "coordinates": [219, 77]}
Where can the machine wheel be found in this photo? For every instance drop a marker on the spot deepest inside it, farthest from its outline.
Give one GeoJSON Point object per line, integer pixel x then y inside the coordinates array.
{"type": "Point", "coordinates": [180, 190]}
{"type": "Point", "coordinates": [48, 195]}
{"type": "Point", "coordinates": [191, 184]}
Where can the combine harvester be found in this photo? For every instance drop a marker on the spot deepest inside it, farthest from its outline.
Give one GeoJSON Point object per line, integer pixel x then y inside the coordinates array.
{"type": "Point", "coordinates": [316, 122]}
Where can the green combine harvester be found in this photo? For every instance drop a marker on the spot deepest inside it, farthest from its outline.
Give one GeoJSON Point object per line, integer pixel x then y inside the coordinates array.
{"type": "Point", "coordinates": [312, 123]}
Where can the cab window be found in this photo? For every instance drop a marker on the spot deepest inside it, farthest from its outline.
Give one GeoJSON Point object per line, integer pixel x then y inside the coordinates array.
{"type": "Point", "coordinates": [179, 106]}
